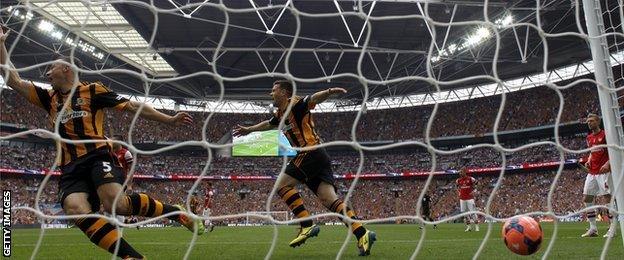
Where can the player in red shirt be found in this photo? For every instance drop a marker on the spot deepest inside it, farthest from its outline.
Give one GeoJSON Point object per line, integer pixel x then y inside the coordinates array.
{"type": "Point", "coordinates": [208, 206]}
{"type": "Point", "coordinates": [124, 159]}
{"type": "Point", "coordinates": [598, 168]}
{"type": "Point", "coordinates": [466, 190]}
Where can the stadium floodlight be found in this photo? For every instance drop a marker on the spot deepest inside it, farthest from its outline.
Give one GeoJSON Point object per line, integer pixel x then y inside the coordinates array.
{"type": "Point", "coordinates": [477, 37]}
{"type": "Point", "coordinates": [451, 49]}
{"type": "Point", "coordinates": [57, 35]}
{"type": "Point", "coordinates": [19, 15]}
{"type": "Point", "coordinates": [45, 26]}
{"type": "Point", "coordinates": [70, 14]}
{"type": "Point", "coordinates": [505, 21]}
{"type": "Point", "coordinates": [49, 29]}
{"type": "Point", "coordinates": [70, 41]}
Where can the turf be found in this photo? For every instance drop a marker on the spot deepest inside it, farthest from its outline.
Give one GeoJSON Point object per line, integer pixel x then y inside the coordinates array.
{"type": "Point", "coordinates": [395, 242]}
{"type": "Point", "coordinates": [256, 144]}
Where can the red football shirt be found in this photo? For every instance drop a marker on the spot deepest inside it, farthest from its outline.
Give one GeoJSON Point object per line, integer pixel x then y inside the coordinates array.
{"type": "Point", "coordinates": [466, 186]}
{"type": "Point", "coordinates": [599, 156]}
{"type": "Point", "coordinates": [124, 157]}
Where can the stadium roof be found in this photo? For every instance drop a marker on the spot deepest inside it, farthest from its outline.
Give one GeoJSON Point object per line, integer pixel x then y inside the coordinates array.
{"type": "Point", "coordinates": [331, 41]}
{"type": "Point", "coordinates": [104, 27]}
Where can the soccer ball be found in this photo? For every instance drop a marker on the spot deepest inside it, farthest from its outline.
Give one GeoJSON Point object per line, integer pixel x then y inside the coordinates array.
{"type": "Point", "coordinates": [522, 235]}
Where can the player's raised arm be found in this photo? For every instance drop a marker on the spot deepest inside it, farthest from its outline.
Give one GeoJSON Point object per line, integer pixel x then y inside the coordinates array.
{"type": "Point", "coordinates": [148, 112]}
{"type": "Point", "coordinates": [321, 96]}
{"type": "Point", "coordinates": [244, 130]}
{"type": "Point", "coordinates": [13, 79]}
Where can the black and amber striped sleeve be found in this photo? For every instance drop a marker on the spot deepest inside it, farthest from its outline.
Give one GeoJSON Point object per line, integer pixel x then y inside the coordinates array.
{"type": "Point", "coordinates": [104, 97]}
{"type": "Point", "coordinates": [307, 103]}
{"type": "Point", "coordinates": [275, 119]}
{"type": "Point", "coordinates": [303, 105]}
{"type": "Point", "coordinates": [39, 97]}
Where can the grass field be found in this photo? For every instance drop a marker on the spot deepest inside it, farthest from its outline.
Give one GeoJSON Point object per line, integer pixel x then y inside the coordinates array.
{"type": "Point", "coordinates": [256, 144]}
{"type": "Point", "coordinates": [395, 242]}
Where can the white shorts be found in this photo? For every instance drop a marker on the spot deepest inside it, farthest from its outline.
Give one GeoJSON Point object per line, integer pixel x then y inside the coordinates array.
{"type": "Point", "coordinates": [596, 185]}
{"type": "Point", "coordinates": [467, 205]}
{"type": "Point", "coordinates": [206, 212]}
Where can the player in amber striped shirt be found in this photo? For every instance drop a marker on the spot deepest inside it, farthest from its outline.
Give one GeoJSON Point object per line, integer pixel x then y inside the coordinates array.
{"type": "Point", "coordinates": [89, 175]}
{"type": "Point", "coordinates": [312, 167]}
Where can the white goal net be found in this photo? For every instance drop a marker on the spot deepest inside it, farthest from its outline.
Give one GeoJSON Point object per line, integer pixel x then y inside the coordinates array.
{"type": "Point", "coordinates": [254, 218]}
{"type": "Point", "coordinates": [433, 86]}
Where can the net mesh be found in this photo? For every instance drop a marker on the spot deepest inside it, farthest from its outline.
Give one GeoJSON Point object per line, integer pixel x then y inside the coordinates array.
{"type": "Point", "coordinates": [487, 29]}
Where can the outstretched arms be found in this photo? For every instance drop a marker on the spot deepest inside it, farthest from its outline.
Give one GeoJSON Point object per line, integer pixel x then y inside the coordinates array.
{"type": "Point", "coordinates": [13, 79]}
{"type": "Point", "coordinates": [244, 130]}
{"type": "Point", "coordinates": [321, 96]}
{"type": "Point", "coordinates": [148, 112]}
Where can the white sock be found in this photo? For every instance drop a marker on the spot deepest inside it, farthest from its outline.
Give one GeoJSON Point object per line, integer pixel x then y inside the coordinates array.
{"type": "Point", "coordinates": [614, 216]}
{"type": "Point", "coordinates": [591, 216]}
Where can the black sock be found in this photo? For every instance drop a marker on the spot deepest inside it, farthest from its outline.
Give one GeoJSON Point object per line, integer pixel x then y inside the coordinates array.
{"type": "Point", "coordinates": [104, 235]}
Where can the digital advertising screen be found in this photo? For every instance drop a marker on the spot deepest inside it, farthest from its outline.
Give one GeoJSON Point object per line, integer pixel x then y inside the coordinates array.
{"type": "Point", "coordinates": [265, 143]}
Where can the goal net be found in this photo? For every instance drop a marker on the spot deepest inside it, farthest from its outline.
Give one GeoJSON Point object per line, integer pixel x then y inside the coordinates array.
{"type": "Point", "coordinates": [500, 88]}
{"type": "Point", "coordinates": [256, 218]}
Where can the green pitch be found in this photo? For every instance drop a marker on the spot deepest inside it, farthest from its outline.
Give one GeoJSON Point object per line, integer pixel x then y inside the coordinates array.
{"type": "Point", "coordinates": [256, 144]}
{"type": "Point", "coordinates": [394, 242]}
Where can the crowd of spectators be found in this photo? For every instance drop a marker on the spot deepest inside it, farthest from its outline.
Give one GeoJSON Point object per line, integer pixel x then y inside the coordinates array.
{"type": "Point", "coordinates": [518, 193]}
{"type": "Point", "coordinates": [522, 109]}
{"type": "Point", "coordinates": [392, 161]}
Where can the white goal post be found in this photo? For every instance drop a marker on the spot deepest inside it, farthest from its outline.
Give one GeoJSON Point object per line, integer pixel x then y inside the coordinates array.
{"type": "Point", "coordinates": [608, 97]}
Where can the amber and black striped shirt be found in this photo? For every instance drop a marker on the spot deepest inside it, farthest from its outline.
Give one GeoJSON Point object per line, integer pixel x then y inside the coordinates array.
{"type": "Point", "coordinates": [82, 120]}
{"type": "Point", "coordinates": [299, 126]}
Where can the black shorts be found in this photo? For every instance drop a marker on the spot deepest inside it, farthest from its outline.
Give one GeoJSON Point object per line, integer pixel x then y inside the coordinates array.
{"type": "Point", "coordinates": [87, 174]}
{"type": "Point", "coordinates": [426, 212]}
{"type": "Point", "coordinates": [311, 168]}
